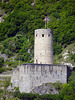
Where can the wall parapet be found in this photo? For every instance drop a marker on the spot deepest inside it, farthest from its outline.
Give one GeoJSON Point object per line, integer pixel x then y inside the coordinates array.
{"type": "Point", "coordinates": [31, 75]}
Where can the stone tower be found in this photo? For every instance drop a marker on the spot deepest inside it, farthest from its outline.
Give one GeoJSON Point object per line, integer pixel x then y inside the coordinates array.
{"type": "Point", "coordinates": [43, 46]}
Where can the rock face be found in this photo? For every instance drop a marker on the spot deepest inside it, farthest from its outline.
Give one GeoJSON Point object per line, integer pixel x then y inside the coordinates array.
{"type": "Point", "coordinates": [45, 89]}
{"type": "Point", "coordinates": [66, 57]}
{"type": "Point", "coordinates": [29, 76]}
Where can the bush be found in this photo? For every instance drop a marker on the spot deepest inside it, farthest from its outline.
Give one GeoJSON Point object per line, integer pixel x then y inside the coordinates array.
{"type": "Point", "coordinates": [8, 52]}
{"type": "Point", "coordinates": [72, 80]}
{"type": "Point", "coordinates": [1, 61]}
{"type": "Point", "coordinates": [57, 49]}
{"type": "Point", "coordinates": [2, 70]}
{"type": "Point", "coordinates": [7, 83]}
{"type": "Point", "coordinates": [1, 91]}
{"type": "Point", "coordinates": [2, 50]}
{"type": "Point", "coordinates": [58, 86]}
{"type": "Point", "coordinates": [73, 57]}
{"type": "Point", "coordinates": [12, 64]}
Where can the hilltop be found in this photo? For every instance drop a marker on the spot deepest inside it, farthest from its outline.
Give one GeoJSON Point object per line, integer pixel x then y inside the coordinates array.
{"type": "Point", "coordinates": [22, 17]}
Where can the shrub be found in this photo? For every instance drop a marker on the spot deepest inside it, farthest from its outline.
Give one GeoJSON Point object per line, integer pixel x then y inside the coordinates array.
{"type": "Point", "coordinates": [1, 91]}
{"type": "Point", "coordinates": [73, 57]}
{"type": "Point", "coordinates": [1, 61]}
{"type": "Point", "coordinates": [8, 52]}
{"type": "Point", "coordinates": [60, 56]}
{"type": "Point", "coordinates": [16, 93]}
{"type": "Point", "coordinates": [2, 50]}
{"type": "Point", "coordinates": [2, 70]}
{"type": "Point", "coordinates": [7, 82]}
{"type": "Point", "coordinates": [58, 86]}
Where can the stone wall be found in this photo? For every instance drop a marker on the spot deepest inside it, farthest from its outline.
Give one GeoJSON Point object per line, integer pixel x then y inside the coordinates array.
{"type": "Point", "coordinates": [15, 77]}
{"type": "Point", "coordinates": [28, 76]}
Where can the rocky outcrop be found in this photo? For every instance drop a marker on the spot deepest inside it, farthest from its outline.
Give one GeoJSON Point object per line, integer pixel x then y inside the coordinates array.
{"type": "Point", "coordinates": [45, 89]}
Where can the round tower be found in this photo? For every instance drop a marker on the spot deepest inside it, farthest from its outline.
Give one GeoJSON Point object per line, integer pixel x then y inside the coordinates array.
{"type": "Point", "coordinates": [43, 46]}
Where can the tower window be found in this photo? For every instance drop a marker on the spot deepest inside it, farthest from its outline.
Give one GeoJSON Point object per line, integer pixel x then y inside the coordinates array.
{"type": "Point", "coordinates": [36, 35]}
{"type": "Point", "coordinates": [61, 72]}
{"type": "Point", "coordinates": [36, 61]}
{"type": "Point", "coordinates": [42, 35]}
{"type": "Point", "coordinates": [48, 35]}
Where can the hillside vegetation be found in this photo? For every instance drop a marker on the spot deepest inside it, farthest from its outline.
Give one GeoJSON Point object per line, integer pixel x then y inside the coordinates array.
{"type": "Point", "coordinates": [67, 56]}
{"type": "Point", "coordinates": [24, 16]}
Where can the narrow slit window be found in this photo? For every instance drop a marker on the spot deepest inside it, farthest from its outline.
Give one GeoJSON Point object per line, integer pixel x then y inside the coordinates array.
{"type": "Point", "coordinates": [36, 35]}
{"type": "Point", "coordinates": [48, 35]}
{"type": "Point", "coordinates": [61, 72]}
{"type": "Point", "coordinates": [36, 61]}
{"type": "Point", "coordinates": [42, 35]}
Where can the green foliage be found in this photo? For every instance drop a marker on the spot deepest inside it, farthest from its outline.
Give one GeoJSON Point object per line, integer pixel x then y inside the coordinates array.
{"type": "Point", "coordinates": [12, 64]}
{"type": "Point", "coordinates": [58, 86]}
{"type": "Point", "coordinates": [57, 49]}
{"type": "Point", "coordinates": [72, 80]}
{"type": "Point", "coordinates": [73, 57]}
{"type": "Point", "coordinates": [1, 91]}
{"type": "Point", "coordinates": [67, 92]}
{"type": "Point", "coordinates": [1, 61]}
{"type": "Point", "coordinates": [16, 88]}
{"type": "Point", "coordinates": [7, 83]}
{"type": "Point", "coordinates": [23, 18]}
{"type": "Point", "coordinates": [2, 69]}
{"type": "Point", "coordinates": [29, 96]}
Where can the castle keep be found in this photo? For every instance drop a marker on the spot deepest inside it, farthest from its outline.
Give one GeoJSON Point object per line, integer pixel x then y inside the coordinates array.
{"type": "Point", "coordinates": [29, 76]}
{"type": "Point", "coordinates": [43, 46]}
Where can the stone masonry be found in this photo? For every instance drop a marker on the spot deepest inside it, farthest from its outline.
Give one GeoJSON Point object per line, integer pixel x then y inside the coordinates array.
{"type": "Point", "coordinates": [43, 46]}
{"type": "Point", "coordinates": [28, 76]}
